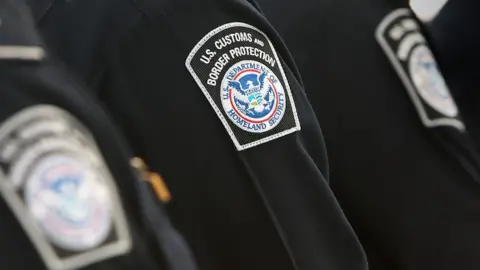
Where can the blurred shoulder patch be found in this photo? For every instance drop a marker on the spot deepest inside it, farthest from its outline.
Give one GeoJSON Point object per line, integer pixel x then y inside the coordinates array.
{"type": "Point", "coordinates": [57, 185]}
{"type": "Point", "coordinates": [399, 34]}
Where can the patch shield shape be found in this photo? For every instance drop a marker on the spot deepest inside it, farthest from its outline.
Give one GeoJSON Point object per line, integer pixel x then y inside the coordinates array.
{"type": "Point", "coordinates": [238, 70]}
{"type": "Point", "coordinates": [58, 187]}
{"type": "Point", "coordinates": [401, 39]}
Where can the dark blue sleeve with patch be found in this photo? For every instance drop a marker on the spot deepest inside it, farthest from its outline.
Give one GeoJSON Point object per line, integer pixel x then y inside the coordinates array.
{"type": "Point", "coordinates": [412, 203]}
{"type": "Point", "coordinates": [207, 93]}
{"type": "Point", "coordinates": [215, 107]}
{"type": "Point", "coordinates": [50, 129]}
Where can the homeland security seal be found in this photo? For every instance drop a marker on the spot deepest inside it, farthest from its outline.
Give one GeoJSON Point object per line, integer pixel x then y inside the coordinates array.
{"type": "Point", "coordinates": [400, 37]}
{"type": "Point", "coordinates": [69, 203]}
{"type": "Point", "coordinates": [253, 97]}
{"type": "Point", "coordinates": [240, 74]}
{"type": "Point", "coordinates": [429, 82]}
{"type": "Point", "coordinates": [58, 186]}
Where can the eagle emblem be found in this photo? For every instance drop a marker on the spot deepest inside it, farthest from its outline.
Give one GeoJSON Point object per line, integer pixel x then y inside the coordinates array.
{"type": "Point", "coordinates": [253, 97]}
{"type": "Point", "coordinates": [252, 94]}
{"type": "Point", "coordinates": [69, 203]}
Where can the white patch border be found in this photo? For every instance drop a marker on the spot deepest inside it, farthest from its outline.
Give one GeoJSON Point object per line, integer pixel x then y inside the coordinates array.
{"type": "Point", "coordinates": [38, 239]}
{"type": "Point", "coordinates": [239, 146]}
{"type": "Point", "coordinates": [411, 89]}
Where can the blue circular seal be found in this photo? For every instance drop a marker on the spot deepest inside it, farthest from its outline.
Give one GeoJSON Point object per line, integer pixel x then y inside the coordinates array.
{"type": "Point", "coordinates": [253, 97]}
{"type": "Point", "coordinates": [429, 81]}
{"type": "Point", "coordinates": [69, 202]}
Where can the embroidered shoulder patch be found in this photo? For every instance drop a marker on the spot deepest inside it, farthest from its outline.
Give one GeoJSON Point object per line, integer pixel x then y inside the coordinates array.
{"type": "Point", "coordinates": [58, 187]}
{"type": "Point", "coordinates": [401, 38]}
{"type": "Point", "coordinates": [238, 70]}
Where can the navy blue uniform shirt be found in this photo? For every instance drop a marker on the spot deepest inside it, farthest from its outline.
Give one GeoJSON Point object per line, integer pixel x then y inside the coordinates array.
{"type": "Point", "coordinates": [68, 197]}
{"type": "Point", "coordinates": [455, 34]}
{"type": "Point", "coordinates": [208, 94]}
{"type": "Point", "coordinates": [402, 164]}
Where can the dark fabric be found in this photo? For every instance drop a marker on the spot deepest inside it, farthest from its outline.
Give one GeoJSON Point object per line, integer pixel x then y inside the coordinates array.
{"type": "Point", "coordinates": [268, 207]}
{"type": "Point", "coordinates": [455, 34]}
{"type": "Point", "coordinates": [410, 192]}
{"type": "Point", "coordinates": [28, 83]}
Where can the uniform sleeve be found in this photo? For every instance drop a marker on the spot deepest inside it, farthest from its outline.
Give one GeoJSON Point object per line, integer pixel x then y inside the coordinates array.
{"type": "Point", "coordinates": [68, 196]}
{"type": "Point", "coordinates": [368, 81]}
{"type": "Point", "coordinates": [66, 130]}
{"type": "Point", "coordinates": [207, 93]}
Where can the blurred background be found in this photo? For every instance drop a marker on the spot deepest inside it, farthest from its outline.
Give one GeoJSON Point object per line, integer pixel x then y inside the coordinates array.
{"type": "Point", "coordinates": [426, 10]}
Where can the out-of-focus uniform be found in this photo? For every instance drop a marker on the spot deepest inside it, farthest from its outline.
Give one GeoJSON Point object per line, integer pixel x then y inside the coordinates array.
{"type": "Point", "coordinates": [402, 162]}
{"type": "Point", "coordinates": [68, 197]}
